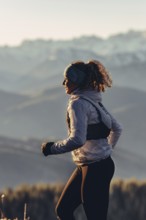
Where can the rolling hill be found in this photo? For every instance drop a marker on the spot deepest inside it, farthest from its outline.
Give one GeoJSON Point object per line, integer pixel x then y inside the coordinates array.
{"type": "Point", "coordinates": [23, 163]}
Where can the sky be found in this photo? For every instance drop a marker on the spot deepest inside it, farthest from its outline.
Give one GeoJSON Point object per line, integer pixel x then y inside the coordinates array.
{"type": "Point", "coordinates": [66, 19]}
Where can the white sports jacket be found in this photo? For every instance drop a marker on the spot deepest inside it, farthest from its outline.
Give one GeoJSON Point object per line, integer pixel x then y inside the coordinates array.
{"type": "Point", "coordinates": [82, 113]}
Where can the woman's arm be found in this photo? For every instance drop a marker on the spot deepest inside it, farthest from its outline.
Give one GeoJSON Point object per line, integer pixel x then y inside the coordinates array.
{"type": "Point", "coordinates": [78, 129]}
{"type": "Point", "coordinates": [115, 133]}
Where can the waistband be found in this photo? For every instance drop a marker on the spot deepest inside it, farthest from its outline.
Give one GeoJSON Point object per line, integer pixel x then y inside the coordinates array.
{"type": "Point", "coordinates": [98, 161]}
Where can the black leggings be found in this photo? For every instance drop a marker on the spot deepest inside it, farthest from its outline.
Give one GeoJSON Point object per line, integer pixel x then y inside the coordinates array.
{"type": "Point", "coordinates": [89, 185]}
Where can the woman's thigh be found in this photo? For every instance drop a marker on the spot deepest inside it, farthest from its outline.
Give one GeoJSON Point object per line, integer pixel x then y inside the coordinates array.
{"type": "Point", "coordinates": [95, 188]}
{"type": "Point", "coordinates": [70, 198]}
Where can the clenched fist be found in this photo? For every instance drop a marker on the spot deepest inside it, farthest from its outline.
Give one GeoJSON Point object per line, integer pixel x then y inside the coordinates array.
{"type": "Point", "coordinates": [46, 148]}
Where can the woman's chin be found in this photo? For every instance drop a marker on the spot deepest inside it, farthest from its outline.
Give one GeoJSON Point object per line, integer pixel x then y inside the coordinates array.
{"type": "Point", "coordinates": [67, 91]}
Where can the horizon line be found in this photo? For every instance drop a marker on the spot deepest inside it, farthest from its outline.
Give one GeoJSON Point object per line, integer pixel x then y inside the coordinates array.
{"type": "Point", "coordinates": [70, 38]}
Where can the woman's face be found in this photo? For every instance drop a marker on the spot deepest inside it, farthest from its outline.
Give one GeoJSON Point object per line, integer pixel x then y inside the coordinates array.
{"type": "Point", "coordinates": [69, 86]}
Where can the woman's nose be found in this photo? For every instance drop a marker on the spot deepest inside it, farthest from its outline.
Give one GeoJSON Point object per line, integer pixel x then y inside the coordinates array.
{"type": "Point", "coordinates": [63, 82]}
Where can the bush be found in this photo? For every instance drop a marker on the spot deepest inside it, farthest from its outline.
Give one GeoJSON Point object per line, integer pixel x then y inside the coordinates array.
{"type": "Point", "coordinates": [127, 201]}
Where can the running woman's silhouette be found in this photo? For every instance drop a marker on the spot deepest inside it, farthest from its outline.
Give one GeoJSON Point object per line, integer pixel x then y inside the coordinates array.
{"type": "Point", "coordinates": [93, 134]}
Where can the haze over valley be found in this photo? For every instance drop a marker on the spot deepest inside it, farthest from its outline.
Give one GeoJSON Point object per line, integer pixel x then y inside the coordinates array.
{"type": "Point", "coordinates": [33, 103]}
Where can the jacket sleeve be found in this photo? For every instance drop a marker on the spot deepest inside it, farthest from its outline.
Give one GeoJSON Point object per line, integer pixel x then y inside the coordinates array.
{"type": "Point", "coordinates": [78, 129]}
{"type": "Point", "coordinates": [116, 130]}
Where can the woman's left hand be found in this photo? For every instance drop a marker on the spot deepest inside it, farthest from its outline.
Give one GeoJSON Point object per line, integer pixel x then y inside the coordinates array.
{"type": "Point", "coordinates": [46, 148]}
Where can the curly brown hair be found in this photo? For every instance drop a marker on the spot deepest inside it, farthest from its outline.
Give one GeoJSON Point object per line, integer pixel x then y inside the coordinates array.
{"type": "Point", "coordinates": [98, 76]}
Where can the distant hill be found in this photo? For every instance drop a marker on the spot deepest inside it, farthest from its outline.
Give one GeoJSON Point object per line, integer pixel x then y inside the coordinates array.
{"type": "Point", "coordinates": [40, 115]}
{"type": "Point", "coordinates": [43, 117]}
{"type": "Point", "coordinates": [22, 162]}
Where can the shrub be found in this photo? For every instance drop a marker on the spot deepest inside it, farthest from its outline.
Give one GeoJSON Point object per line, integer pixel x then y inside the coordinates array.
{"type": "Point", "coordinates": [127, 201]}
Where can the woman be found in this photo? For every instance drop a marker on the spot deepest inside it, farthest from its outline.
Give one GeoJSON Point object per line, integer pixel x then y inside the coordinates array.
{"type": "Point", "coordinates": [93, 133]}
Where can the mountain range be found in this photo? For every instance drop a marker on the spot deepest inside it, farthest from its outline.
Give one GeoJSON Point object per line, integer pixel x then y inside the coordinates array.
{"type": "Point", "coordinates": [36, 65]}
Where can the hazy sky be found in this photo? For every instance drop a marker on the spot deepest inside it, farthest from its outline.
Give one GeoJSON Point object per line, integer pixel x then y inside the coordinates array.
{"type": "Point", "coordinates": [63, 19]}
